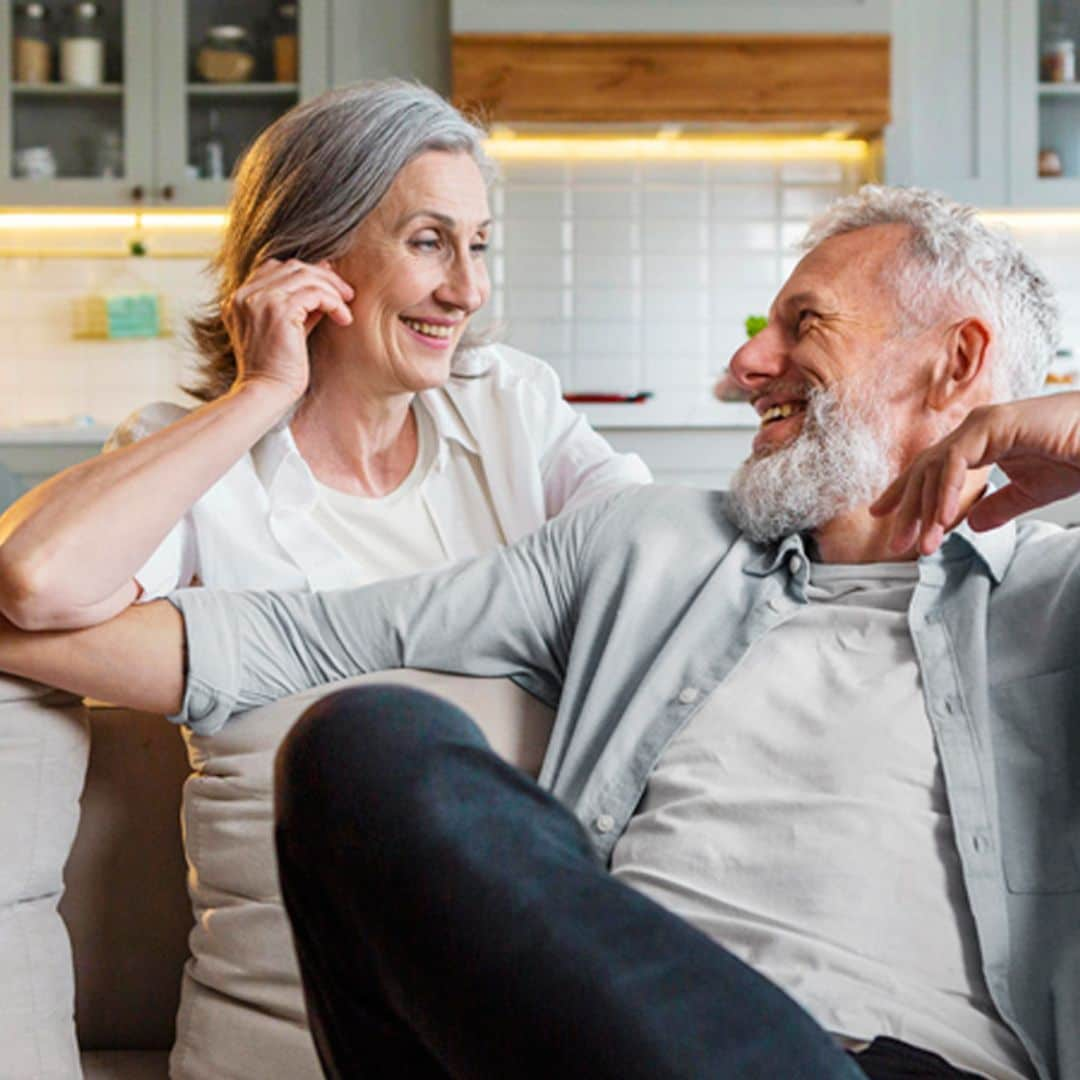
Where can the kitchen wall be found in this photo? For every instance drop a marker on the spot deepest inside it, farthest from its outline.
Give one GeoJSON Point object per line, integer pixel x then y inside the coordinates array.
{"type": "Point", "coordinates": [624, 275]}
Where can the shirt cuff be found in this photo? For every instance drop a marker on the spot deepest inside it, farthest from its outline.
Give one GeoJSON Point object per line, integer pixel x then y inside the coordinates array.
{"type": "Point", "coordinates": [213, 671]}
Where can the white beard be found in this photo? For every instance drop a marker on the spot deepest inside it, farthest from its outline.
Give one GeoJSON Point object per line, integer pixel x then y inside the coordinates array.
{"type": "Point", "coordinates": [839, 460]}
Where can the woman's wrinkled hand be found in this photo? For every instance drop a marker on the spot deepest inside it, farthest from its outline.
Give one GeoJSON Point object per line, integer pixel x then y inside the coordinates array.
{"type": "Point", "coordinates": [1035, 442]}
{"type": "Point", "coordinates": [271, 314]}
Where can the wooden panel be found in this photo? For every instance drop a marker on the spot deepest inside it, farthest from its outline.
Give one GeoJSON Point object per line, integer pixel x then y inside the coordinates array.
{"type": "Point", "coordinates": [647, 78]}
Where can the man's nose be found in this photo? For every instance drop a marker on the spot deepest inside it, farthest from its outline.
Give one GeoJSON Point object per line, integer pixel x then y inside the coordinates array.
{"type": "Point", "coordinates": [759, 360]}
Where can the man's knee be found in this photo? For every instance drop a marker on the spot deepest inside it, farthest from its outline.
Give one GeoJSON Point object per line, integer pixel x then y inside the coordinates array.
{"type": "Point", "coordinates": [362, 748]}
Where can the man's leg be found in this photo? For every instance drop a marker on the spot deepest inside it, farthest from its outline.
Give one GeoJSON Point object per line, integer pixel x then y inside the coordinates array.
{"type": "Point", "coordinates": [447, 910]}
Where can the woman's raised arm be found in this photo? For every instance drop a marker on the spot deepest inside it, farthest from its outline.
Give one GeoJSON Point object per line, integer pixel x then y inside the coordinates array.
{"type": "Point", "coordinates": [70, 548]}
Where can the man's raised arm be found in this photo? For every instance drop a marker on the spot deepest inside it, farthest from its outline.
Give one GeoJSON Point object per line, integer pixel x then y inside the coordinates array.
{"type": "Point", "coordinates": [202, 655]}
{"type": "Point", "coordinates": [135, 659]}
{"type": "Point", "coordinates": [1034, 441]}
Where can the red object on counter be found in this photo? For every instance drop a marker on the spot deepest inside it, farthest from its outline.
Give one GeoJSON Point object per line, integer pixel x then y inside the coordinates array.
{"type": "Point", "coordinates": [609, 399]}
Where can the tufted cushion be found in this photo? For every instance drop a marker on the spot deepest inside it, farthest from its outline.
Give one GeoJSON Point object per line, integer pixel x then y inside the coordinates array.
{"type": "Point", "coordinates": [241, 1009]}
{"type": "Point", "coordinates": [44, 745]}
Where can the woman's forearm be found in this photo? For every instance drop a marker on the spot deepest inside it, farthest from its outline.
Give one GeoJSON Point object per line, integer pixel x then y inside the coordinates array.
{"type": "Point", "coordinates": [135, 659]}
{"type": "Point", "coordinates": [70, 547]}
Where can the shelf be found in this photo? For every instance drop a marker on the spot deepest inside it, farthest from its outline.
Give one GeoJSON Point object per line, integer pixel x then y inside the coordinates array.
{"type": "Point", "coordinates": [1065, 89]}
{"type": "Point", "coordinates": [66, 90]}
{"type": "Point", "coordinates": [243, 90]}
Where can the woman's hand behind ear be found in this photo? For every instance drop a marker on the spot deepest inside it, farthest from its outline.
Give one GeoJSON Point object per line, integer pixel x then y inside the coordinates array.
{"type": "Point", "coordinates": [271, 314]}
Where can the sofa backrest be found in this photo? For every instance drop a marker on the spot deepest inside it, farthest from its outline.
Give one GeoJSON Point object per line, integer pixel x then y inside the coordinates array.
{"type": "Point", "coordinates": [125, 901]}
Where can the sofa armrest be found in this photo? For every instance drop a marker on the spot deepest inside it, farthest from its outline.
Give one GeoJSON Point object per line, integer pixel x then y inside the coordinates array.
{"type": "Point", "coordinates": [44, 743]}
{"type": "Point", "coordinates": [126, 905]}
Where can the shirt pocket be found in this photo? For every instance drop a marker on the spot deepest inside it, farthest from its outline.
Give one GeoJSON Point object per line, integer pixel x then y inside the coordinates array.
{"type": "Point", "coordinates": [1037, 756]}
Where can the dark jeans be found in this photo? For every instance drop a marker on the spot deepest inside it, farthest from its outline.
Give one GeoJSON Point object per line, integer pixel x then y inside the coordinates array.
{"type": "Point", "coordinates": [451, 919]}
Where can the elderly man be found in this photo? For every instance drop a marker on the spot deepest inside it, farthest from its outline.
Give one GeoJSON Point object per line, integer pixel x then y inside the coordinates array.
{"type": "Point", "coordinates": [819, 728]}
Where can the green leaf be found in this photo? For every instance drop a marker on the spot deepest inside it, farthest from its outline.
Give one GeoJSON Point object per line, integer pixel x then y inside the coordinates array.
{"type": "Point", "coordinates": [755, 324]}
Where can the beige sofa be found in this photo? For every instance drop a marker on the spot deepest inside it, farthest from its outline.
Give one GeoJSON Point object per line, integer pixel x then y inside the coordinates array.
{"type": "Point", "coordinates": [125, 902]}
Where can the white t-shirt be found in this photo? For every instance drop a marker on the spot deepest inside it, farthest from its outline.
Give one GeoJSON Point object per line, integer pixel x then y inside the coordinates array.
{"type": "Point", "coordinates": [396, 534]}
{"type": "Point", "coordinates": [800, 819]}
{"type": "Point", "coordinates": [255, 529]}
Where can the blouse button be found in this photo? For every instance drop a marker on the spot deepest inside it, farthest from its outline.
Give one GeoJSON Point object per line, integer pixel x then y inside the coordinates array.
{"type": "Point", "coordinates": [688, 695]}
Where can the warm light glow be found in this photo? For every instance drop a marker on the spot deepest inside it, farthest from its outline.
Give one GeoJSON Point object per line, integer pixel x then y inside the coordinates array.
{"type": "Point", "coordinates": [1033, 219]}
{"type": "Point", "coordinates": [508, 145]}
{"type": "Point", "coordinates": [22, 220]}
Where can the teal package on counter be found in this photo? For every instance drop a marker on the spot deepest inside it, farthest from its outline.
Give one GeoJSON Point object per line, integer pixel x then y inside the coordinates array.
{"type": "Point", "coordinates": [133, 315]}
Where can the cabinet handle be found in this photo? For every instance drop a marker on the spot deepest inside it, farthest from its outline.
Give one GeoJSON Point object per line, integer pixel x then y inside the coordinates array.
{"type": "Point", "coordinates": [168, 191]}
{"type": "Point", "coordinates": [138, 193]}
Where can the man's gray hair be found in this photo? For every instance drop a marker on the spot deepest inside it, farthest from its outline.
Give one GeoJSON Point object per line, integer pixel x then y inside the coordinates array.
{"type": "Point", "coordinates": [308, 181]}
{"type": "Point", "coordinates": [954, 261]}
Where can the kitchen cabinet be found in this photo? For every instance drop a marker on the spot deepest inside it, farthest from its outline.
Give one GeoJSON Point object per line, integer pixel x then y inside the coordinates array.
{"type": "Point", "coordinates": [154, 132]}
{"type": "Point", "coordinates": [685, 17]}
{"type": "Point", "coordinates": [1043, 115]}
{"type": "Point", "coordinates": [949, 98]}
{"type": "Point", "coordinates": [373, 39]}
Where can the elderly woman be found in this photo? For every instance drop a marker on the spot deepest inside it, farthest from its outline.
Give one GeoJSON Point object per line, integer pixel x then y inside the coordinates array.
{"type": "Point", "coordinates": [351, 430]}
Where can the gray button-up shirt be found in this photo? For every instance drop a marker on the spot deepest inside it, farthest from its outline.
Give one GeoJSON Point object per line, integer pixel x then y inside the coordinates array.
{"type": "Point", "coordinates": [628, 613]}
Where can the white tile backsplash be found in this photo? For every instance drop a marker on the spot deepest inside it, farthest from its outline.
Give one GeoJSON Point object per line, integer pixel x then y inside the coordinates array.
{"type": "Point", "coordinates": [625, 275]}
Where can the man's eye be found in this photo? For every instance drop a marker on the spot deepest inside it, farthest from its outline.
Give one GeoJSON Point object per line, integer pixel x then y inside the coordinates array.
{"type": "Point", "coordinates": [806, 317]}
{"type": "Point", "coordinates": [478, 247]}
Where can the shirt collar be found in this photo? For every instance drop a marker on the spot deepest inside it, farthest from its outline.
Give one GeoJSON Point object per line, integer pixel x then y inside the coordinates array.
{"type": "Point", "coordinates": [774, 554]}
{"type": "Point", "coordinates": [994, 548]}
{"type": "Point", "coordinates": [447, 418]}
{"type": "Point", "coordinates": [286, 475]}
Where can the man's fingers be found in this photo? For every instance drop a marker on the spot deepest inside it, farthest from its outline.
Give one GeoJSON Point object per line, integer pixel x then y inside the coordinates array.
{"type": "Point", "coordinates": [998, 507]}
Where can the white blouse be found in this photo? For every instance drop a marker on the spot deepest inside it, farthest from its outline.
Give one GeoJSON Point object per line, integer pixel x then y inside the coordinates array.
{"type": "Point", "coordinates": [256, 529]}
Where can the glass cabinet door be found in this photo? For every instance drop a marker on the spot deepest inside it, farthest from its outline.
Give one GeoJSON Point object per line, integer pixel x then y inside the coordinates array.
{"type": "Point", "coordinates": [229, 68]}
{"type": "Point", "coordinates": [1044, 148]}
{"type": "Point", "coordinates": [75, 123]}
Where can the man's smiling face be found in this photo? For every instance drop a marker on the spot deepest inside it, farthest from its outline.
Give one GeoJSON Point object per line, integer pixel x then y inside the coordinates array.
{"type": "Point", "coordinates": [839, 389]}
{"type": "Point", "coordinates": [833, 324]}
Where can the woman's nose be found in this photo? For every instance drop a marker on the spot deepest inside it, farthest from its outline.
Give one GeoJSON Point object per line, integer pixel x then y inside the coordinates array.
{"type": "Point", "coordinates": [759, 360]}
{"type": "Point", "coordinates": [466, 285]}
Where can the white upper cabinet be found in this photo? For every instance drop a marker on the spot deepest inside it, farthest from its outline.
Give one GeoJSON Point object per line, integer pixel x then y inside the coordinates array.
{"type": "Point", "coordinates": [375, 39]}
{"type": "Point", "coordinates": [676, 17]}
{"type": "Point", "coordinates": [1044, 114]}
{"type": "Point", "coordinates": [949, 98]}
{"type": "Point", "coordinates": [182, 87]}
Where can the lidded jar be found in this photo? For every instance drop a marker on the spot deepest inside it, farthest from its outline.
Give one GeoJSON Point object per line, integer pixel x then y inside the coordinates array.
{"type": "Point", "coordinates": [226, 55]}
{"type": "Point", "coordinates": [32, 54]}
{"type": "Point", "coordinates": [286, 65]}
{"type": "Point", "coordinates": [82, 45]}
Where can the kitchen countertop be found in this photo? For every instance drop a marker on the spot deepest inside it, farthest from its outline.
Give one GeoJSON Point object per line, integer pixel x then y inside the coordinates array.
{"type": "Point", "coordinates": [52, 434]}
{"type": "Point", "coordinates": [670, 409]}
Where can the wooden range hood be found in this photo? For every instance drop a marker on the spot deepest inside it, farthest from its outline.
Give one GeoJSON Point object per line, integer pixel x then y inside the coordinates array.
{"type": "Point", "coordinates": [798, 81]}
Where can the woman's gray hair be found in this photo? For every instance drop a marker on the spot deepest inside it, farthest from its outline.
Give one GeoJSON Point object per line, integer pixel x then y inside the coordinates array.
{"type": "Point", "coordinates": [952, 261]}
{"type": "Point", "coordinates": [308, 181]}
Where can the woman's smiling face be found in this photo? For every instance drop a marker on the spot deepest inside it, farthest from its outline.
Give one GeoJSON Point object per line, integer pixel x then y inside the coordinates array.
{"type": "Point", "coordinates": [417, 265]}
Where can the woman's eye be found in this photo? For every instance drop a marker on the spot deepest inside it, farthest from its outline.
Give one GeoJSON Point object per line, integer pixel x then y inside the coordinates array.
{"type": "Point", "coordinates": [426, 243]}
{"type": "Point", "coordinates": [478, 247]}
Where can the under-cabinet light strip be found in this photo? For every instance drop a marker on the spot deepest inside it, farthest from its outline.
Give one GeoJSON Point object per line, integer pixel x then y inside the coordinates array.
{"type": "Point", "coordinates": [507, 146]}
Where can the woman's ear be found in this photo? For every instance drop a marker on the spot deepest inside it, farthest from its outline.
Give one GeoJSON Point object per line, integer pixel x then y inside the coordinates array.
{"type": "Point", "coordinates": [964, 363]}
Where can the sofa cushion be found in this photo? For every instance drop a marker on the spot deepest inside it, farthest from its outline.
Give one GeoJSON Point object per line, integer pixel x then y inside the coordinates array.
{"type": "Point", "coordinates": [125, 905]}
{"type": "Point", "coordinates": [44, 744]}
{"type": "Point", "coordinates": [242, 1010]}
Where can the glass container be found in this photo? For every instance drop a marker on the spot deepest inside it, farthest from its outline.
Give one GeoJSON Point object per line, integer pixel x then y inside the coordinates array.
{"type": "Point", "coordinates": [286, 63]}
{"type": "Point", "coordinates": [31, 60]}
{"type": "Point", "coordinates": [226, 55]}
{"type": "Point", "coordinates": [82, 45]}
